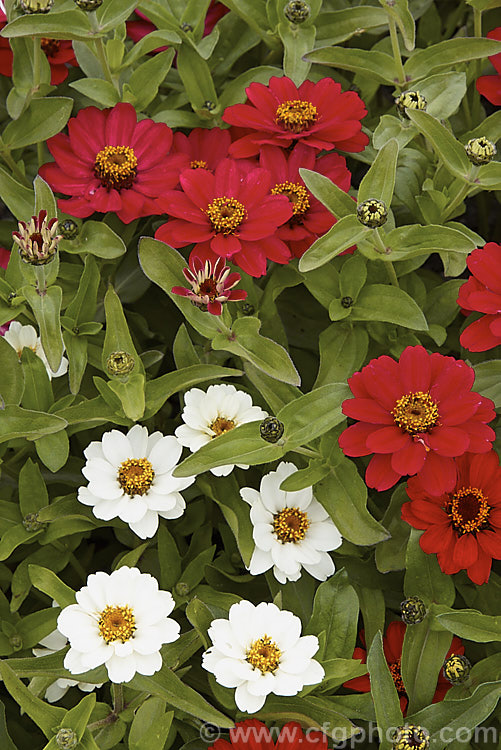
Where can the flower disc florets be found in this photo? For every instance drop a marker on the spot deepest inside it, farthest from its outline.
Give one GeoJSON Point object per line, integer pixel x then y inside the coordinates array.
{"type": "Point", "coordinates": [411, 737]}
{"type": "Point", "coordinates": [37, 240]}
{"type": "Point", "coordinates": [372, 213]}
{"type": "Point", "coordinates": [410, 100]}
{"type": "Point", "coordinates": [480, 150]}
{"type": "Point", "coordinates": [89, 5]}
{"type": "Point", "coordinates": [36, 6]}
{"type": "Point", "coordinates": [413, 610]}
{"type": "Point", "coordinates": [297, 11]}
{"type": "Point", "coordinates": [120, 363]}
{"type": "Point", "coordinates": [457, 669]}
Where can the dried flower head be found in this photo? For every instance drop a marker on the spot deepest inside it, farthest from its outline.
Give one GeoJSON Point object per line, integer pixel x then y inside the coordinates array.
{"type": "Point", "coordinates": [37, 240]}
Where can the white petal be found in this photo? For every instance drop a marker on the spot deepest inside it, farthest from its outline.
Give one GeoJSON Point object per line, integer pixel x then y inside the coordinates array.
{"type": "Point", "coordinates": [250, 495]}
{"type": "Point", "coordinates": [260, 562]}
{"type": "Point", "coordinates": [165, 454]}
{"type": "Point", "coordinates": [223, 471]}
{"type": "Point", "coordinates": [148, 663]}
{"type": "Point", "coordinates": [132, 509]}
{"type": "Point", "coordinates": [56, 691]}
{"type": "Point", "coordinates": [324, 535]}
{"type": "Point", "coordinates": [138, 439]}
{"type": "Point", "coordinates": [86, 497]}
{"type": "Point", "coordinates": [94, 450]}
{"type": "Point", "coordinates": [116, 448]}
{"type": "Point", "coordinates": [147, 526]}
{"type": "Point", "coordinates": [121, 669]}
{"type": "Point", "coordinates": [287, 684]}
{"type": "Point", "coordinates": [247, 702]}
{"type": "Point", "coordinates": [322, 570]}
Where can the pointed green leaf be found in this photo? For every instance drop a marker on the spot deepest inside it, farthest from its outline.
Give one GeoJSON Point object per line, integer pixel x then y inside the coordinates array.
{"type": "Point", "coordinates": [47, 308]}
{"type": "Point", "coordinates": [384, 694]}
{"type": "Point", "coordinates": [450, 151]}
{"type": "Point", "coordinates": [43, 714]}
{"type": "Point", "coordinates": [390, 305]}
{"type": "Point", "coordinates": [333, 198]}
{"type": "Point", "coordinates": [345, 233]}
{"type": "Point", "coordinates": [448, 54]}
{"type": "Point", "coordinates": [47, 581]}
{"type": "Point", "coordinates": [377, 66]}
{"type": "Point", "coordinates": [44, 118]}
{"type": "Point", "coordinates": [379, 181]}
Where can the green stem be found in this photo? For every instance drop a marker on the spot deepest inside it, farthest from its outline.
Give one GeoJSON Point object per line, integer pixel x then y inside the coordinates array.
{"type": "Point", "coordinates": [306, 452]}
{"type": "Point", "coordinates": [118, 698]}
{"type": "Point", "coordinates": [463, 193]}
{"type": "Point", "coordinates": [101, 54]}
{"type": "Point", "coordinates": [396, 52]}
{"type": "Point", "coordinates": [477, 32]}
{"type": "Point", "coordinates": [390, 270]}
{"type": "Point", "coordinates": [7, 157]}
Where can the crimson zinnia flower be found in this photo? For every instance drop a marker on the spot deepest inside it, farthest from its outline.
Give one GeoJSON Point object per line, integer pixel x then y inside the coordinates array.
{"type": "Point", "coordinates": [392, 647]}
{"type": "Point", "coordinates": [230, 213]}
{"type": "Point", "coordinates": [318, 114]}
{"type": "Point", "coordinates": [463, 527]}
{"type": "Point", "coordinates": [416, 415]}
{"type": "Point", "coordinates": [310, 219]}
{"type": "Point", "coordinates": [482, 293]}
{"type": "Point", "coordinates": [211, 282]}
{"type": "Point", "coordinates": [202, 148]}
{"type": "Point", "coordinates": [254, 735]}
{"type": "Point", "coordinates": [490, 86]}
{"type": "Point", "coordinates": [110, 162]}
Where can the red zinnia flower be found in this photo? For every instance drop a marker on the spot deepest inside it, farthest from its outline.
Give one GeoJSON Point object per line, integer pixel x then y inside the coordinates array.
{"type": "Point", "coordinates": [482, 293]}
{"type": "Point", "coordinates": [230, 213]}
{"type": "Point", "coordinates": [416, 415]}
{"type": "Point", "coordinates": [254, 735]}
{"type": "Point", "coordinates": [211, 282]}
{"type": "Point", "coordinates": [319, 114]}
{"type": "Point", "coordinates": [59, 54]}
{"type": "Point", "coordinates": [310, 218]}
{"type": "Point", "coordinates": [490, 86]}
{"type": "Point", "coordinates": [392, 647]}
{"type": "Point", "coordinates": [111, 162]}
{"type": "Point", "coordinates": [463, 527]}
{"type": "Point", "coordinates": [202, 148]}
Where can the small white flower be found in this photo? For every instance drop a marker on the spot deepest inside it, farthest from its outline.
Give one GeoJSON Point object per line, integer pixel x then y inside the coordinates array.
{"type": "Point", "coordinates": [130, 477]}
{"type": "Point", "coordinates": [121, 620]}
{"type": "Point", "coordinates": [259, 650]}
{"type": "Point", "coordinates": [291, 529]}
{"type": "Point", "coordinates": [55, 641]}
{"type": "Point", "coordinates": [21, 337]}
{"type": "Point", "coordinates": [208, 414]}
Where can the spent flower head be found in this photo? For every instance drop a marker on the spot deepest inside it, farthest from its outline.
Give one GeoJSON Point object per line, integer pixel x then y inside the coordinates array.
{"type": "Point", "coordinates": [37, 240]}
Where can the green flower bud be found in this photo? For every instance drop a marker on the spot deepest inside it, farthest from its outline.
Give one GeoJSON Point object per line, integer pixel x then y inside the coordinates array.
{"type": "Point", "coordinates": [68, 229]}
{"type": "Point", "coordinates": [16, 642]}
{"type": "Point", "coordinates": [186, 27]}
{"type": "Point", "coordinates": [36, 6]}
{"type": "Point", "coordinates": [410, 100]}
{"type": "Point", "coordinates": [89, 5]}
{"type": "Point", "coordinates": [31, 522]}
{"type": "Point", "coordinates": [66, 739]}
{"type": "Point", "coordinates": [457, 669]}
{"type": "Point", "coordinates": [120, 363]}
{"type": "Point", "coordinates": [346, 302]}
{"type": "Point", "coordinates": [480, 150]}
{"type": "Point", "coordinates": [411, 737]}
{"type": "Point", "coordinates": [297, 11]}
{"type": "Point", "coordinates": [248, 309]}
{"type": "Point", "coordinates": [271, 429]}
{"type": "Point", "coordinates": [372, 213]}
{"type": "Point", "coordinates": [413, 610]}
{"type": "Point", "coordinates": [182, 588]}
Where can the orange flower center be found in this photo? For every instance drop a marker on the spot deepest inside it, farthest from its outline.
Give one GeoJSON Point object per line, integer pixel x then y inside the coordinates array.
{"type": "Point", "coordinates": [198, 164]}
{"type": "Point", "coordinates": [226, 214]}
{"type": "Point", "coordinates": [116, 167]}
{"type": "Point", "coordinates": [468, 510]}
{"type": "Point", "coordinates": [221, 425]}
{"type": "Point", "coordinates": [296, 115]}
{"type": "Point", "coordinates": [135, 476]}
{"type": "Point", "coordinates": [296, 193]}
{"type": "Point", "coordinates": [395, 672]}
{"type": "Point", "coordinates": [264, 655]}
{"type": "Point", "coordinates": [117, 624]}
{"type": "Point", "coordinates": [290, 525]}
{"type": "Point", "coordinates": [50, 46]}
{"type": "Point", "coordinates": [415, 412]}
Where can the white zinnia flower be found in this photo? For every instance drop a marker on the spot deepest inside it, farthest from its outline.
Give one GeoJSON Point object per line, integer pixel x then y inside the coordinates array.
{"type": "Point", "coordinates": [291, 529]}
{"type": "Point", "coordinates": [260, 650]}
{"type": "Point", "coordinates": [208, 414]}
{"type": "Point", "coordinates": [52, 643]}
{"type": "Point", "coordinates": [130, 477]}
{"type": "Point", "coordinates": [121, 620]}
{"type": "Point", "coordinates": [21, 337]}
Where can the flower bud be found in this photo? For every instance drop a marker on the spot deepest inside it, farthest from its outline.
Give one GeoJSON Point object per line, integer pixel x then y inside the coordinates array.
{"type": "Point", "coordinates": [182, 589]}
{"type": "Point", "coordinates": [37, 240]}
{"type": "Point", "coordinates": [410, 100]}
{"type": "Point", "coordinates": [31, 522]}
{"type": "Point", "coordinates": [36, 6]}
{"type": "Point", "coordinates": [372, 213]}
{"type": "Point", "coordinates": [66, 739]}
{"type": "Point", "coordinates": [346, 302]}
{"type": "Point", "coordinates": [16, 642]}
{"type": "Point", "coordinates": [120, 363]}
{"type": "Point", "coordinates": [271, 429]}
{"type": "Point", "coordinates": [248, 309]}
{"type": "Point", "coordinates": [297, 11]}
{"type": "Point", "coordinates": [89, 4]}
{"type": "Point", "coordinates": [413, 610]}
{"type": "Point", "coordinates": [480, 150]}
{"type": "Point", "coordinates": [411, 737]}
{"type": "Point", "coordinates": [68, 229]}
{"type": "Point", "coordinates": [457, 669]}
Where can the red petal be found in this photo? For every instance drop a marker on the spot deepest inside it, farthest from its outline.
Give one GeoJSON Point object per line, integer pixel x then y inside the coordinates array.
{"type": "Point", "coordinates": [448, 441]}
{"type": "Point", "coordinates": [438, 474]}
{"type": "Point", "coordinates": [367, 410]}
{"type": "Point", "coordinates": [379, 473]}
{"type": "Point", "coordinates": [387, 440]}
{"type": "Point", "coordinates": [353, 441]}
{"type": "Point", "coordinates": [410, 458]}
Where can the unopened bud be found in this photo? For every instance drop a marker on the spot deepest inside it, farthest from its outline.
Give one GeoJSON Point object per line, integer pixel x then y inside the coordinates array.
{"type": "Point", "coordinates": [372, 213]}
{"type": "Point", "coordinates": [31, 522]}
{"type": "Point", "coordinates": [411, 737]}
{"type": "Point", "coordinates": [37, 240]}
{"type": "Point", "coordinates": [120, 363]}
{"type": "Point", "coordinates": [346, 302]}
{"type": "Point", "coordinates": [413, 610]}
{"type": "Point", "coordinates": [410, 100]}
{"type": "Point", "coordinates": [66, 739]}
{"type": "Point", "coordinates": [480, 150]}
{"type": "Point", "coordinates": [89, 4]}
{"type": "Point", "coordinates": [248, 309]}
{"type": "Point", "coordinates": [16, 642]}
{"type": "Point", "coordinates": [457, 669]}
{"type": "Point", "coordinates": [68, 229]}
{"type": "Point", "coordinates": [182, 589]}
{"type": "Point", "coordinates": [36, 6]}
{"type": "Point", "coordinates": [271, 429]}
{"type": "Point", "coordinates": [297, 11]}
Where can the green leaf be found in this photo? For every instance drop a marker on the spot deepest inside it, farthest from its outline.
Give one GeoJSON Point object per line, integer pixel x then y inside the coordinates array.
{"type": "Point", "coordinates": [32, 490]}
{"type": "Point", "coordinates": [384, 694]}
{"type": "Point", "coordinates": [46, 309]}
{"type": "Point", "coordinates": [44, 198]}
{"type": "Point", "coordinates": [414, 240]}
{"type": "Point", "coordinates": [379, 181]}
{"type": "Point", "coordinates": [399, 11]}
{"type": "Point", "coordinates": [44, 118]}
{"type": "Point", "coordinates": [114, 12]}
{"type": "Point", "coordinates": [18, 198]}
{"type": "Point", "coordinates": [488, 380]}
{"type": "Point", "coordinates": [25, 423]}
{"type": "Point", "coordinates": [335, 612]}
{"type": "Point", "coordinates": [390, 305]}
{"type": "Point", "coordinates": [169, 558]}
{"type": "Point", "coordinates": [451, 152]}
{"type": "Point", "coordinates": [151, 725]}
{"type": "Point", "coordinates": [11, 374]}
{"type": "Point", "coordinates": [423, 656]}
{"type": "Point", "coordinates": [131, 395]}
{"type": "Point", "coordinates": [377, 66]}
{"type": "Point", "coordinates": [67, 24]}
{"type": "Point", "coordinates": [345, 233]}
{"type": "Point", "coordinates": [47, 581]}
{"type": "Point", "coordinates": [97, 238]}
{"type": "Point", "coordinates": [117, 336]}
{"type": "Point", "coordinates": [5, 739]}
{"type": "Point", "coordinates": [315, 471]}
{"type": "Point", "coordinates": [76, 351]}
{"type": "Point", "coordinates": [423, 576]}
{"type": "Point", "coordinates": [43, 714]}
{"type": "Point", "coordinates": [37, 386]}
{"type": "Point", "coordinates": [98, 90]}
{"type": "Point", "coordinates": [472, 625]}
{"type": "Point", "coordinates": [343, 349]}
{"type": "Point", "coordinates": [338, 25]}
{"type": "Point", "coordinates": [196, 77]}
{"type": "Point", "coordinates": [309, 711]}
{"type": "Point", "coordinates": [297, 41]}
{"type": "Point", "coordinates": [333, 198]}
{"type": "Point", "coordinates": [448, 54]}
{"type": "Point", "coordinates": [53, 450]}
{"type": "Point", "coordinates": [444, 93]}
{"type": "Point", "coordinates": [83, 304]}
{"type": "Point", "coordinates": [146, 79]}
{"type": "Point", "coordinates": [313, 414]}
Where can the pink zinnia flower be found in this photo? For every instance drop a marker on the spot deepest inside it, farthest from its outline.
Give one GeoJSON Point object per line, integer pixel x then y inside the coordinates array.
{"type": "Point", "coordinates": [211, 282]}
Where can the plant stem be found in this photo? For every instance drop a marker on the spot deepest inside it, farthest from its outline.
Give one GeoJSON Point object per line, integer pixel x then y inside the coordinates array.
{"type": "Point", "coordinates": [118, 698]}
{"type": "Point", "coordinates": [463, 193]}
{"type": "Point", "coordinates": [101, 54]}
{"type": "Point", "coordinates": [6, 155]}
{"type": "Point", "coordinates": [396, 52]}
{"type": "Point", "coordinates": [392, 275]}
{"type": "Point", "coordinates": [306, 452]}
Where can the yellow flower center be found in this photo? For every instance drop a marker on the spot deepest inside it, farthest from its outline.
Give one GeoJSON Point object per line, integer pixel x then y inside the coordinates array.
{"type": "Point", "coordinates": [226, 214]}
{"type": "Point", "coordinates": [468, 510]}
{"type": "Point", "coordinates": [198, 164]}
{"type": "Point", "coordinates": [116, 167]}
{"type": "Point", "coordinates": [296, 115]}
{"type": "Point", "coordinates": [221, 425]}
{"type": "Point", "coordinates": [117, 623]}
{"type": "Point", "coordinates": [296, 193]}
{"type": "Point", "coordinates": [290, 525]}
{"type": "Point", "coordinates": [135, 476]}
{"type": "Point", "coordinates": [415, 413]}
{"type": "Point", "coordinates": [264, 655]}
{"type": "Point", "coordinates": [50, 46]}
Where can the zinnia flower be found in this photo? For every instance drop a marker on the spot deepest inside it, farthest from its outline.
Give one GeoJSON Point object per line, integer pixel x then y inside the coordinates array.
{"type": "Point", "coordinates": [120, 620]}
{"type": "Point", "coordinates": [254, 735]}
{"type": "Point", "coordinates": [211, 283]}
{"type": "Point", "coordinates": [110, 162]}
{"type": "Point", "coordinates": [490, 86]}
{"type": "Point", "coordinates": [208, 414]}
{"type": "Point", "coordinates": [482, 293]}
{"type": "Point", "coordinates": [310, 219]}
{"type": "Point", "coordinates": [130, 477]}
{"type": "Point", "coordinates": [416, 415]}
{"type": "Point", "coordinates": [38, 240]}
{"type": "Point", "coordinates": [318, 114]}
{"type": "Point", "coordinates": [463, 527]}
{"type": "Point", "coordinates": [259, 650]}
{"type": "Point", "coordinates": [392, 646]}
{"type": "Point", "coordinates": [231, 213]}
{"type": "Point", "coordinates": [203, 148]}
{"type": "Point", "coordinates": [291, 529]}
{"type": "Point", "coordinates": [21, 337]}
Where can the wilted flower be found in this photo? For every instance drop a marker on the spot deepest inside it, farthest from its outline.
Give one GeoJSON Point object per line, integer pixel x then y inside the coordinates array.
{"type": "Point", "coordinates": [37, 240]}
{"type": "Point", "coordinates": [410, 100]}
{"type": "Point", "coordinates": [480, 150]}
{"type": "Point", "coordinates": [211, 283]}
